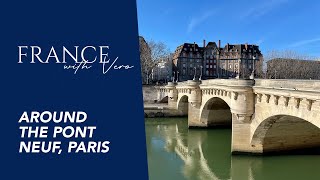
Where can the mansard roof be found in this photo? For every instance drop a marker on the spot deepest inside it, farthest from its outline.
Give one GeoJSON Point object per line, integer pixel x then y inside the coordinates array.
{"type": "Point", "coordinates": [241, 48]}
{"type": "Point", "coordinates": [211, 45]}
{"type": "Point", "coordinates": [226, 50]}
{"type": "Point", "coordinates": [189, 47]}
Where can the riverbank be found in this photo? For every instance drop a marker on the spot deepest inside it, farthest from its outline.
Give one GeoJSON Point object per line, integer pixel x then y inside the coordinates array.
{"type": "Point", "coordinates": [153, 110]}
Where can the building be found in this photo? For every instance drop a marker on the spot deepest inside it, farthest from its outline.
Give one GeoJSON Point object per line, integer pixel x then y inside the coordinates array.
{"type": "Point", "coordinates": [239, 60]}
{"type": "Point", "coordinates": [281, 68]}
{"type": "Point", "coordinates": [162, 72]}
{"type": "Point", "coordinates": [213, 61]}
{"type": "Point", "coordinates": [187, 61]}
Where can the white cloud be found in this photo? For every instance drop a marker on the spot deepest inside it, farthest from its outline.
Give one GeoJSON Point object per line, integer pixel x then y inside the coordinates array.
{"type": "Point", "coordinates": [195, 21]}
{"type": "Point", "coordinates": [304, 42]}
{"type": "Point", "coordinates": [257, 11]}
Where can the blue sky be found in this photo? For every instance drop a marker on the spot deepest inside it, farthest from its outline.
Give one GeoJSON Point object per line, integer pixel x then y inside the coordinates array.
{"type": "Point", "coordinates": [272, 24]}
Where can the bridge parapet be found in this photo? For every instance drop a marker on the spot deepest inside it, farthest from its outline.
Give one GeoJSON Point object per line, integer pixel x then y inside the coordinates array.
{"type": "Point", "coordinates": [254, 107]}
{"type": "Point", "coordinates": [296, 93]}
{"type": "Point", "coordinates": [312, 85]}
{"type": "Point", "coordinates": [236, 93]}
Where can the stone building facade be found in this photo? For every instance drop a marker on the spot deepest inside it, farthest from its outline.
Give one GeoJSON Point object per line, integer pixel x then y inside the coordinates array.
{"type": "Point", "coordinates": [162, 72]}
{"type": "Point", "coordinates": [187, 61]}
{"type": "Point", "coordinates": [213, 61]}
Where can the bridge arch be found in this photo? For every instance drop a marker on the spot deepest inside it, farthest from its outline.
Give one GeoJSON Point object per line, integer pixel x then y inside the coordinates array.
{"type": "Point", "coordinates": [285, 133]}
{"type": "Point", "coordinates": [164, 99]}
{"type": "Point", "coordinates": [183, 104]}
{"type": "Point", "coordinates": [216, 112]}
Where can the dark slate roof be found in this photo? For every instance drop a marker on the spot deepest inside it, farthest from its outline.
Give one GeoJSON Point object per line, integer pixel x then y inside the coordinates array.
{"type": "Point", "coordinates": [228, 49]}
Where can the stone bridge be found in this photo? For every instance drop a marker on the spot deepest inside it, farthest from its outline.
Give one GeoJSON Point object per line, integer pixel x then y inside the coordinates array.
{"type": "Point", "coordinates": [265, 115]}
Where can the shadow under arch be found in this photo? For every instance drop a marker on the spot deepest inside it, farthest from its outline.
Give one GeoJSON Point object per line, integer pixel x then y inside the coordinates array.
{"type": "Point", "coordinates": [283, 133]}
{"type": "Point", "coordinates": [183, 104]}
{"type": "Point", "coordinates": [216, 112]}
{"type": "Point", "coordinates": [164, 100]}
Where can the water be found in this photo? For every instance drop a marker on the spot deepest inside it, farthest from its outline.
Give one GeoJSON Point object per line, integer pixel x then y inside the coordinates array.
{"type": "Point", "coordinates": [177, 153]}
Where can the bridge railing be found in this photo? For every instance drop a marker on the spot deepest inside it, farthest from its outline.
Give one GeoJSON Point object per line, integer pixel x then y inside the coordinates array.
{"type": "Point", "coordinates": [311, 85]}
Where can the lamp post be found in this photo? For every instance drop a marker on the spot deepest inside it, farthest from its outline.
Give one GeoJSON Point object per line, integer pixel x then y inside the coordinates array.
{"type": "Point", "coordinates": [238, 69]}
{"type": "Point", "coordinates": [195, 71]}
{"type": "Point", "coordinates": [253, 68]}
{"type": "Point", "coordinates": [200, 73]}
{"type": "Point", "coordinates": [174, 74]}
{"type": "Point", "coordinates": [177, 76]}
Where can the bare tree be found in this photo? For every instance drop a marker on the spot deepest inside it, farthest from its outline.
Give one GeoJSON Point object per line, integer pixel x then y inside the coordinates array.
{"type": "Point", "coordinates": [145, 60]}
{"type": "Point", "coordinates": [151, 52]}
{"type": "Point", "coordinates": [158, 50]}
{"type": "Point", "coordinates": [287, 54]}
{"type": "Point", "coordinates": [291, 65]}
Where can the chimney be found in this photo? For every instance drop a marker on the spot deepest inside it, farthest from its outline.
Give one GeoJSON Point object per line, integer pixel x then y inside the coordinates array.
{"type": "Point", "coordinates": [246, 46]}
{"type": "Point", "coordinates": [219, 44]}
{"type": "Point", "coordinates": [227, 46]}
{"type": "Point", "coordinates": [194, 46]}
{"type": "Point", "coordinates": [204, 43]}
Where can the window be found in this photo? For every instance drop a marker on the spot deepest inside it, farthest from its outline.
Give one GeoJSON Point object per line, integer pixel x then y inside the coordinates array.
{"type": "Point", "coordinates": [207, 72]}
{"type": "Point", "coordinates": [191, 65]}
{"type": "Point", "coordinates": [207, 66]}
{"type": "Point", "coordinates": [215, 66]}
{"type": "Point", "coordinates": [183, 72]}
{"type": "Point", "coordinates": [210, 66]}
{"type": "Point", "coordinates": [210, 61]}
{"type": "Point", "coordinates": [230, 66]}
{"type": "Point", "coordinates": [190, 55]}
{"type": "Point", "coordinates": [184, 65]}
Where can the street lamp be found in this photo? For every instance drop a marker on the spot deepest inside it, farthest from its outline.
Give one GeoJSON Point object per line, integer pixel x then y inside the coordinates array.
{"type": "Point", "coordinates": [195, 71]}
{"type": "Point", "coordinates": [177, 76]}
{"type": "Point", "coordinates": [174, 74]}
{"type": "Point", "coordinates": [253, 69]}
{"type": "Point", "coordinates": [200, 73]}
{"type": "Point", "coordinates": [238, 69]}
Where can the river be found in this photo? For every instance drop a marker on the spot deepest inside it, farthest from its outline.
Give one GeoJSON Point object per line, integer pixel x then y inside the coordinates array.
{"type": "Point", "coordinates": [177, 153]}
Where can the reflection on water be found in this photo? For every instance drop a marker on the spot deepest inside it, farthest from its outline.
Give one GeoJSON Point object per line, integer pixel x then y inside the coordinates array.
{"type": "Point", "coordinates": [175, 152]}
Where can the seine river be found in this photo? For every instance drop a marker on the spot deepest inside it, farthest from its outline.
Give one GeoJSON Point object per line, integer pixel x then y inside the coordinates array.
{"type": "Point", "coordinates": [175, 152]}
